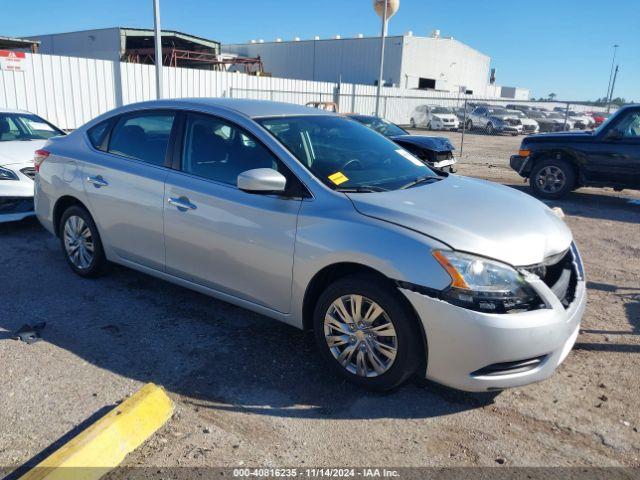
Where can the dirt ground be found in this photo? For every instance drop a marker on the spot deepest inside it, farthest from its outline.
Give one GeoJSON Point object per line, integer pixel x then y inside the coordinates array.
{"type": "Point", "coordinates": [252, 392]}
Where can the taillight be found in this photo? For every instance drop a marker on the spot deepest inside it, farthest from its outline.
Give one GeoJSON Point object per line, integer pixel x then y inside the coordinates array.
{"type": "Point", "coordinates": [39, 157]}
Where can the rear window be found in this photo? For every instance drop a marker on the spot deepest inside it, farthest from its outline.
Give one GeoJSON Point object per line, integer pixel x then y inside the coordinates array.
{"type": "Point", "coordinates": [143, 136]}
{"type": "Point", "coordinates": [97, 134]}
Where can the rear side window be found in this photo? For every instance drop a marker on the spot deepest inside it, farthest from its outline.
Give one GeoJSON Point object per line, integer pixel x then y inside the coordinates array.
{"type": "Point", "coordinates": [142, 136]}
{"type": "Point", "coordinates": [97, 134]}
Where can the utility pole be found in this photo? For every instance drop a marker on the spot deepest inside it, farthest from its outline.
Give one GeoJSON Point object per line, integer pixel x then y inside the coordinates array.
{"type": "Point", "coordinates": [613, 85]}
{"type": "Point", "coordinates": [385, 9]}
{"type": "Point", "coordinates": [383, 37]}
{"type": "Point", "coordinates": [158, 42]}
{"type": "Point", "coordinates": [613, 61]}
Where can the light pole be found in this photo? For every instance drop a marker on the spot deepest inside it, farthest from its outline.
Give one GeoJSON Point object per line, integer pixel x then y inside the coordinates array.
{"type": "Point", "coordinates": [613, 61]}
{"type": "Point", "coordinates": [613, 85]}
{"type": "Point", "coordinates": [158, 45]}
{"type": "Point", "coordinates": [385, 9]}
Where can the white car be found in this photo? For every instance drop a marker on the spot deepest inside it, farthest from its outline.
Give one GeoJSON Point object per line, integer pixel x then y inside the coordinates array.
{"type": "Point", "coordinates": [434, 117]}
{"type": "Point", "coordinates": [529, 125]}
{"type": "Point", "coordinates": [21, 134]}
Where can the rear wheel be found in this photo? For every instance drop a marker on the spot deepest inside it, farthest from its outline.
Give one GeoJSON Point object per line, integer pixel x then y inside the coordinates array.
{"type": "Point", "coordinates": [552, 179]}
{"type": "Point", "coordinates": [366, 333]}
{"type": "Point", "coordinates": [490, 129]}
{"type": "Point", "coordinates": [412, 123]}
{"type": "Point", "coordinates": [81, 242]}
{"type": "Point", "coordinates": [469, 125]}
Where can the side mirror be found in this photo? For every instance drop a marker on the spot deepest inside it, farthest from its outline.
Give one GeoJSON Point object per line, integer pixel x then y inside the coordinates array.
{"type": "Point", "coordinates": [613, 134]}
{"type": "Point", "coordinates": [262, 180]}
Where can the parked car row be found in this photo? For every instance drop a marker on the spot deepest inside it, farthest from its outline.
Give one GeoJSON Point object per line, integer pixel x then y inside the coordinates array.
{"type": "Point", "coordinates": [514, 119]}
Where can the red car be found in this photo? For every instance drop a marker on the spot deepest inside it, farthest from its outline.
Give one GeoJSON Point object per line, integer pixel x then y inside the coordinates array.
{"type": "Point", "coordinates": [600, 117]}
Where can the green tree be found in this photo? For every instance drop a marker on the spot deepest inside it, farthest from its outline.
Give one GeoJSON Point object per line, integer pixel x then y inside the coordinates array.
{"type": "Point", "coordinates": [552, 96]}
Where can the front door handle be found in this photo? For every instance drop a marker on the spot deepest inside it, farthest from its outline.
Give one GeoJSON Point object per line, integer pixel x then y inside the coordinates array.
{"type": "Point", "coordinates": [181, 203]}
{"type": "Point", "coordinates": [97, 181]}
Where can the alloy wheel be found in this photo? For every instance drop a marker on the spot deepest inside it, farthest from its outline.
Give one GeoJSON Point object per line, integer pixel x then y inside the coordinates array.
{"type": "Point", "coordinates": [360, 335]}
{"type": "Point", "coordinates": [78, 242]}
{"type": "Point", "coordinates": [550, 179]}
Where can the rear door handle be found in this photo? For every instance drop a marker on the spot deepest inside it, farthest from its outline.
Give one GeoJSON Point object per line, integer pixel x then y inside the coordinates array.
{"type": "Point", "coordinates": [181, 203]}
{"type": "Point", "coordinates": [97, 181]}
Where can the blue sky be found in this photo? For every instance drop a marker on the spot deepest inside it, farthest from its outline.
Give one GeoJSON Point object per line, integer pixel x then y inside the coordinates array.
{"type": "Point", "coordinates": [559, 46]}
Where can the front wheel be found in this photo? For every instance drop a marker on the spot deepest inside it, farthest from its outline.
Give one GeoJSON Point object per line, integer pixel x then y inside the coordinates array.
{"type": "Point", "coordinates": [552, 179]}
{"type": "Point", "coordinates": [366, 334]}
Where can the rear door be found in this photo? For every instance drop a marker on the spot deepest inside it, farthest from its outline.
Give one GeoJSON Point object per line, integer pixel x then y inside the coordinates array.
{"type": "Point", "coordinates": [218, 236]}
{"type": "Point", "coordinates": [124, 181]}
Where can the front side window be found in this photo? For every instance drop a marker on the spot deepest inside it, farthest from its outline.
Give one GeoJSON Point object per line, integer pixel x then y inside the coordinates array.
{"type": "Point", "coordinates": [345, 154]}
{"type": "Point", "coordinates": [19, 126]}
{"type": "Point", "coordinates": [629, 126]}
{"type": "Point", "coordinates": [220, 151]}
{"type": "Point", "coordinates": [142, 136]}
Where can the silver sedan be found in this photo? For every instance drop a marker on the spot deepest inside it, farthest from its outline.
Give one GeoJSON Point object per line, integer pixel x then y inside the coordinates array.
{"type": "Point", "coordinates": [315, 220]}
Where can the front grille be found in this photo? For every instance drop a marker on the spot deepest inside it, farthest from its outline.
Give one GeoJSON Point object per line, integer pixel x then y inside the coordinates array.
{"type": "Point", "coordinates": [29, 172]}
{"type": "Point", "coordinates": [509, 368]}
{"type": "Point", "coordinates": [560, 275]}
{"type": "Point", "coordinates": [439, 157]}
{"type": "Point", "coordinates": [16, 205]}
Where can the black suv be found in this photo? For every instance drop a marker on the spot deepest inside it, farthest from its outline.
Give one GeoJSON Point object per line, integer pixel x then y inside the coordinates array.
{"type": "Point", "coordinates": [556, 163]}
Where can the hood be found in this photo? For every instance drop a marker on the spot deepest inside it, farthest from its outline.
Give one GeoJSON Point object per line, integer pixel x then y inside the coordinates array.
{"type": "Point", "coordinates": [474, 216]}
{"type": "Point", "coordinates": [19, 151]}
{"type": "Point", "coordinates": [437, 144]}
{"type": "Point", "coordinates": [560, 136]}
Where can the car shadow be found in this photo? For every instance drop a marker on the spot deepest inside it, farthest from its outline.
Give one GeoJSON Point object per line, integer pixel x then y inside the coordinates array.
{"type": "Point", "coordinates": [215, 355]}
{"type": "Point", "coordinates": [588, 204]}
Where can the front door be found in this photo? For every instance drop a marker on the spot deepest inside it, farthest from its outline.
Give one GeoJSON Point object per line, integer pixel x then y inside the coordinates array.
{"type": "Point", "coordinates": [616, 159]}
{"type": "Point", "coordinates": [221, 237]}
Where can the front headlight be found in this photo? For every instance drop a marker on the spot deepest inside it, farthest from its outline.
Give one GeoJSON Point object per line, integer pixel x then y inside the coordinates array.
{"type": "Point", "coordinates": [7, 174]}
{"type": "Point", "coordinates": [485, 285]}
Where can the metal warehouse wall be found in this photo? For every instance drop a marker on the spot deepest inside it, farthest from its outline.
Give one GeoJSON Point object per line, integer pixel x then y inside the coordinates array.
{"type": "Point", "coordinates": [70, 91]}
{"type": "Point", "coordinates": [102, 43]}
{"type": "Point", "coordinates": [447, 60]}
{"type": "Point", "coordinates": [357, 60]}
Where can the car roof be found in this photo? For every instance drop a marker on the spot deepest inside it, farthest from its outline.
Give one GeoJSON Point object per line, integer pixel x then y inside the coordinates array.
{"type": "Point", "coordinates": [13, 110]}
{"type": "Point", "coordinates": [247, 107]}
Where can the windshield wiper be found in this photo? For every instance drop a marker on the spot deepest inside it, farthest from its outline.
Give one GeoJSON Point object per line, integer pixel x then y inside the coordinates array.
{"type": "Point", "coordinates": [420, 180]}
{"type": "Point", "coordinates": [361, 189]}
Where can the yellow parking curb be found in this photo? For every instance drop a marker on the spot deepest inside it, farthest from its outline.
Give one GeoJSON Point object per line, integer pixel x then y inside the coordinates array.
{"type": "Point", "coordinates": [104, 444]}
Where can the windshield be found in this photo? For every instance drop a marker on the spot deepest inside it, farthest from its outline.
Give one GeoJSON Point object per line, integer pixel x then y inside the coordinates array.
{"type": "Point", "coordinates": [25, 126]}
{"type": "Point", "coordinates": [441, 110]}
{"type": "Point", "coordinates": [344, 154]}
{"type": "Point", "coordinates": [381, 125]}
{"type": "Point", "coordinates": [517, 113]}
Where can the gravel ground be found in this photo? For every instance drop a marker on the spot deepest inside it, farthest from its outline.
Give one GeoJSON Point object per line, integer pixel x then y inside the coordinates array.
{"type": "Point", "coordinates": [251, 391]}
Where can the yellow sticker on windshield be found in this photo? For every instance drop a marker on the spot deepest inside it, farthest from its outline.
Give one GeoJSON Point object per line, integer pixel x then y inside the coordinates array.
{"type": "Point", "coordinates": [338, 178]}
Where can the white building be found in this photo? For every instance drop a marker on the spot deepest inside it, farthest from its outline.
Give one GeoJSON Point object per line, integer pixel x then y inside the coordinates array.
{"type": "Point", "coordinates": [434, 62]}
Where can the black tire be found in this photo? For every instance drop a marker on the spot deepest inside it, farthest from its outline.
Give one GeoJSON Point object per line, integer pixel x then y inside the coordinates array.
{"type": "Point", "coordinates": [469, 125]}
{"type": "Point", "coordinates": [429, 126]}
{"type": "Point", "coordinates": [412, 123]}
{"type": "Point", "coordinates": [98, 264]}
{"type": "Point", "coordinates": [490, 130]}
{"type": "Point", "coordinates": [567, 172]}
{"type": "Point", "coordinates": [409, 355]}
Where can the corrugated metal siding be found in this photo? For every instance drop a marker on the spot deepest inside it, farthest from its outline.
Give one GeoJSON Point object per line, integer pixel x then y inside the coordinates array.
{"type": "Point", "coordinates": [70, 91]}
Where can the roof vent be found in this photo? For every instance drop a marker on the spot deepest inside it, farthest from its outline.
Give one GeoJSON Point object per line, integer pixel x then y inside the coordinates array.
{"type": "Point", "coordinates": [253, 41]}
{"type": "Point", "coordinates": [296, 39]}
{"type": "Point", "coordinates": [278, 40]}
{"type": "Point", "coordinates": [360, 35]}
{"type": "Point", "coordinates": [317, 37]}
{"type": "Point", "coordinates": [338, 37]}
{"type": "Point", "coordinates": [435, 34]}
{"type": "Point", "coordinates": [409, 33]}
